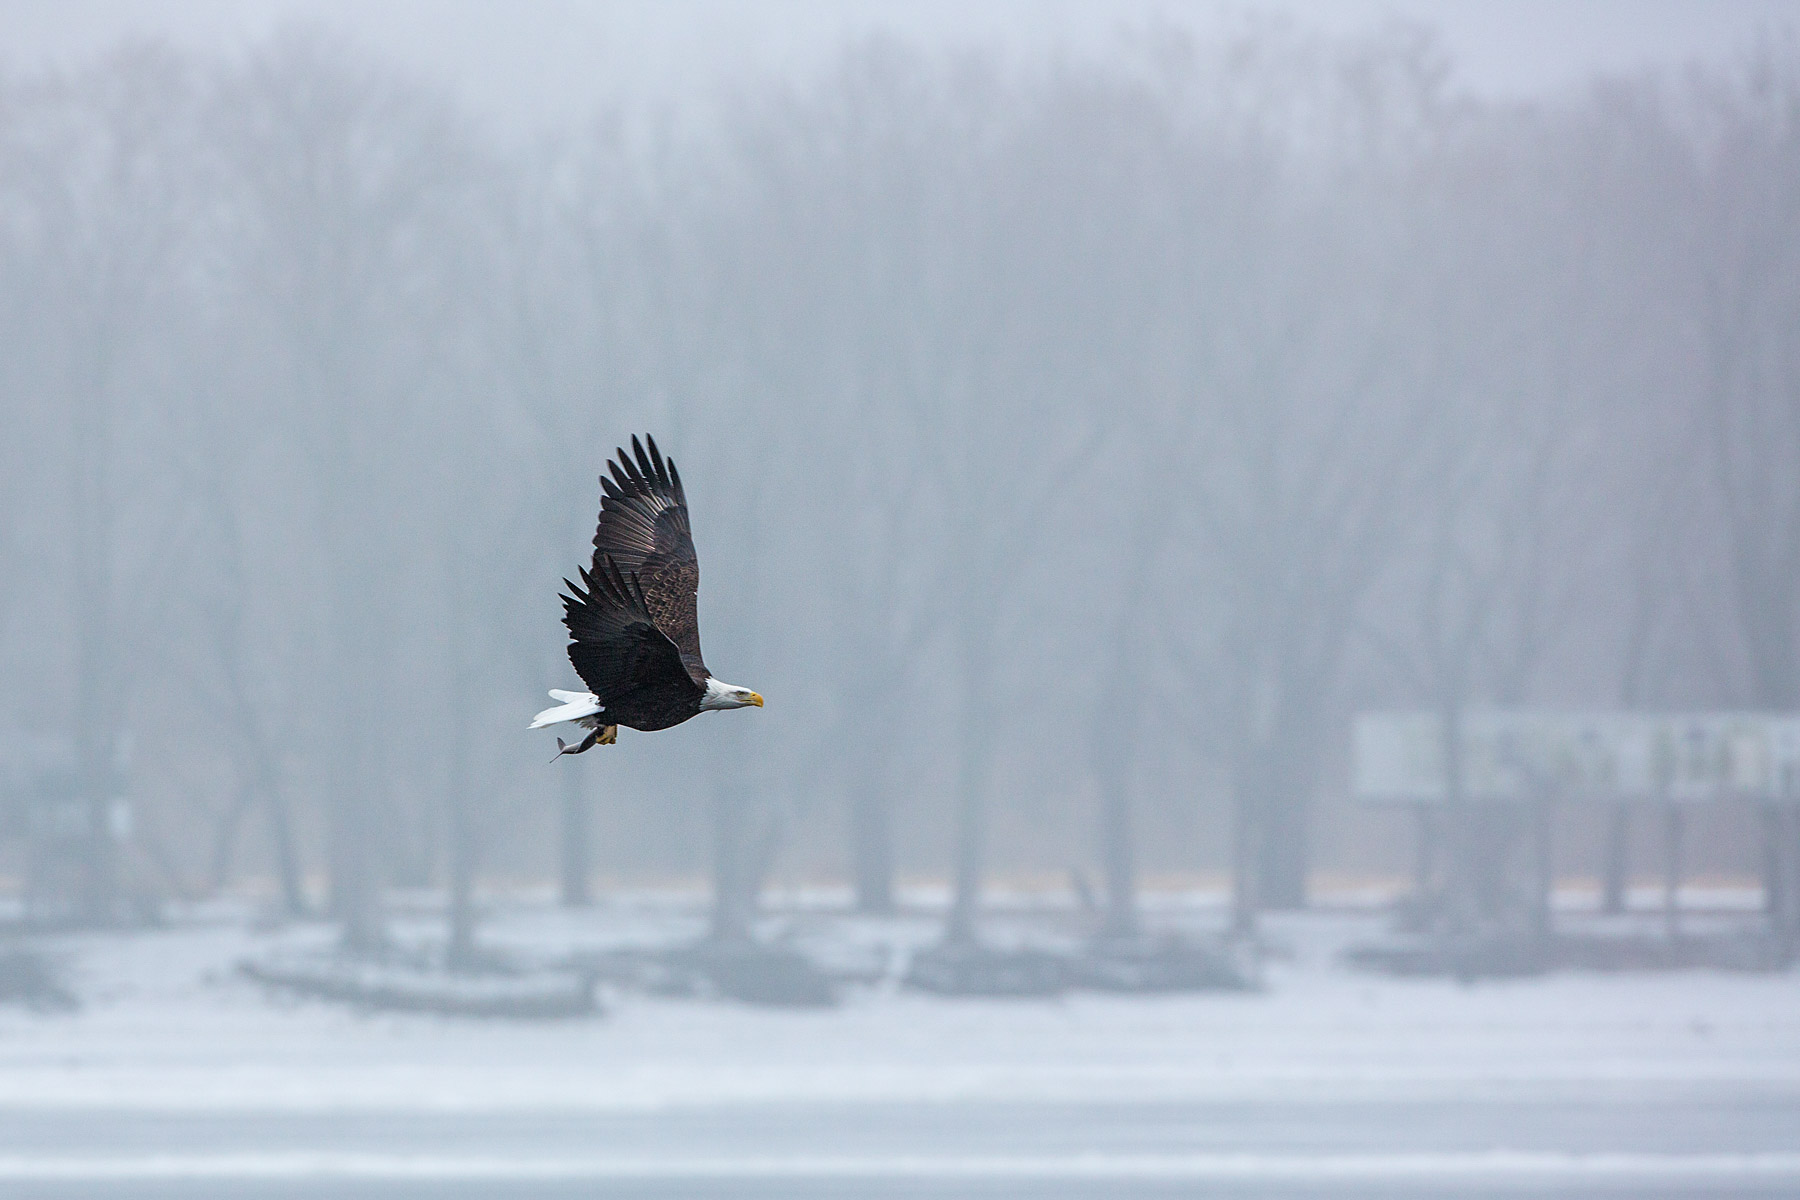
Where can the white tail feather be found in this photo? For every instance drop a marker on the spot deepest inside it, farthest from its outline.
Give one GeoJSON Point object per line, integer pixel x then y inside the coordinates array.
{"type": "Point", "coordinates": [574, 706]}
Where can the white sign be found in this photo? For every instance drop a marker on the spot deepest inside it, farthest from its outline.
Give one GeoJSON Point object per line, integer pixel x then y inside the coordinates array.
{"type": "Point", "coordinates": [1511, 755]}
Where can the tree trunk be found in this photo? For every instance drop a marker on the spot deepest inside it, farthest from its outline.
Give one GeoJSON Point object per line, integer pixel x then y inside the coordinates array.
{"type": "Point", "coordinates": [1773, 877]}
{"type": "Point", "coordinates": [1543, 871]}
{"type": "Point", "coordinates": [1783, 827]}
{"type": "Point", "coordinates": [352, 830]}
{"type": "Point", "coordinates": [1289, 753]}
{"type": "Point", "coordinates": [1618, 835]}
{"type": "Point", "coordinates": [459, 815]}
{"type": "Point", "coordinates": [94, 738]}
{"type": "Point", "coordinates": [1247, 786]}
{"type": "Point", "coordinates": [225, 840]}
{"type": "Point", "coordinates": [1672, 872]}
{"type": "Point", "coordinates": [872, 849]}
{"type": "Point", "coordinates": [1461, 887]}
{"type": "Point", "coordinates": [730, 915]}
{"type": "Point", "coordinates": [353, 809]}
{"type": "Point", "coordinates": [1114, 727]}
{"type": "Point", "coordinates": [460, 953]}
{"type": "Point", "coordinates": [1244, 902]}
{"type": "Point", "coordinates": [965, 904]}
{"type": "Point", "coordinates": [1283, 851]}
{"type": "Point", "coordinates": [1792, 941]}
{"type": "Point", "coordinates": [1121, 920]}
{"type": "Point", "coordinates": [287, 858]}
{"type": "Point", "coordinates": [971, 776]}
{"type": "Point", "coordinates": [1425, 849]}
{"type": "Point", "coordinates": [576, 840]}
{"type": "Point", "coordinates": [352, 882]}
{"type": "Point", "coordinates": [872, 827]}
{"type": "Point", "coordinates": [100, 889]}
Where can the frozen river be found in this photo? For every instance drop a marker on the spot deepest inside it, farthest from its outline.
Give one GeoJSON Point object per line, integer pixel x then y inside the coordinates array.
{"type": "Point", "coordinates": [1657, 1147]}
{"type": "Point", "coordinates": [179, 1080]}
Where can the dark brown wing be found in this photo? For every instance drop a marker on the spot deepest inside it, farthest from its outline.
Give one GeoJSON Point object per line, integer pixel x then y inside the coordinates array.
{"type": "Point", "coordinates": [644, 529]}
{"type": "Point", "coordinates": [626, 661]}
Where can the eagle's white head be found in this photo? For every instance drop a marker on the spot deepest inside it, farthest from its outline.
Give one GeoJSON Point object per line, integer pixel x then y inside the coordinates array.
{"type": "Point", "coordinates": [720, 694]}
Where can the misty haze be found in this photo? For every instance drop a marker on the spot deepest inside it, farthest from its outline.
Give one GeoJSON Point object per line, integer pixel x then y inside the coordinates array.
{"type": "Point", "coordinates": [1267, 549]}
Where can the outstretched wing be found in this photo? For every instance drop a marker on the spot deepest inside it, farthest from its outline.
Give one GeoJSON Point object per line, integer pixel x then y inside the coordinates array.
{"type": "Point", "coordinates": [616, 647]}
{"type": "Point", "coordinates": [644, 530]}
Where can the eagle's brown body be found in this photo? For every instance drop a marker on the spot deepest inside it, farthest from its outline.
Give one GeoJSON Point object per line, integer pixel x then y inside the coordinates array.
{"type": "Point", "coordinates": [633, 623]}
{"type": "Point", "coordinates": [634, 636]}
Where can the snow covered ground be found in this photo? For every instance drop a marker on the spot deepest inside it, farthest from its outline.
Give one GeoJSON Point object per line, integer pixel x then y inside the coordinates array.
{"type": "Point", "coordinates": [179, 1078]}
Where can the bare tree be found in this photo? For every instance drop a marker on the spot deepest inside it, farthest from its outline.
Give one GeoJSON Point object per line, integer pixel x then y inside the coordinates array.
{"type": "Point", "coordinates": [238, 689]}
{"type": "Point", "coordinates": [338, 174]}
{"type": "Point", "coordinates": [101, 177]}
{"type": "Point", "coordinates": [1748, 259]}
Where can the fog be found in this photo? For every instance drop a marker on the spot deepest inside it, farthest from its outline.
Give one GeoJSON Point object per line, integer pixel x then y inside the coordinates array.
{"type": "Point", "coordinates": [1083, 420]}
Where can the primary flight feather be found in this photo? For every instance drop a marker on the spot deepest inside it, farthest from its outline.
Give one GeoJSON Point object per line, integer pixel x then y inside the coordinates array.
{"type": "Point", "coordinates": [633, 627]}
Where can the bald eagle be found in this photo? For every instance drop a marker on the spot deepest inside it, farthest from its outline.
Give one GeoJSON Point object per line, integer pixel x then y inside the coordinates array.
{"type": "Point", "coordinates": [634, 635]}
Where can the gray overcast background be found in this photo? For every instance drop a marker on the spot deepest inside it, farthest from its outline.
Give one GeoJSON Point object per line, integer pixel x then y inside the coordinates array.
{"type": "Point", "coordinates": [1088, 410]}
{"type": "Point", "coordinates": [535, 61]}
{"type": "Point", "coordinates": [868, 267]}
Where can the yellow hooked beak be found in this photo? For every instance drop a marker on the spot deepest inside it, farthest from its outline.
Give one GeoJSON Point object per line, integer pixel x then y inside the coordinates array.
{"type": "Point", "coordinates": [754, 698]}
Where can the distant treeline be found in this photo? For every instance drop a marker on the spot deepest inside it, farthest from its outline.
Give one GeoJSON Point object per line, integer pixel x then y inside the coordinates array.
{"type": "Point", "coordinates": [1072, 447]}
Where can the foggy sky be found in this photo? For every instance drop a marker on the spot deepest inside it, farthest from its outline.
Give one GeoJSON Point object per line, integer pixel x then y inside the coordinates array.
{"type": "Point", "coordinates": [537, 62]}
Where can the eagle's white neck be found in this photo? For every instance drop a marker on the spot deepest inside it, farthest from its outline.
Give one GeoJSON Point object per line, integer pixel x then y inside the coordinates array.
{"type": "Point", "coordinates": [719, 694]}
